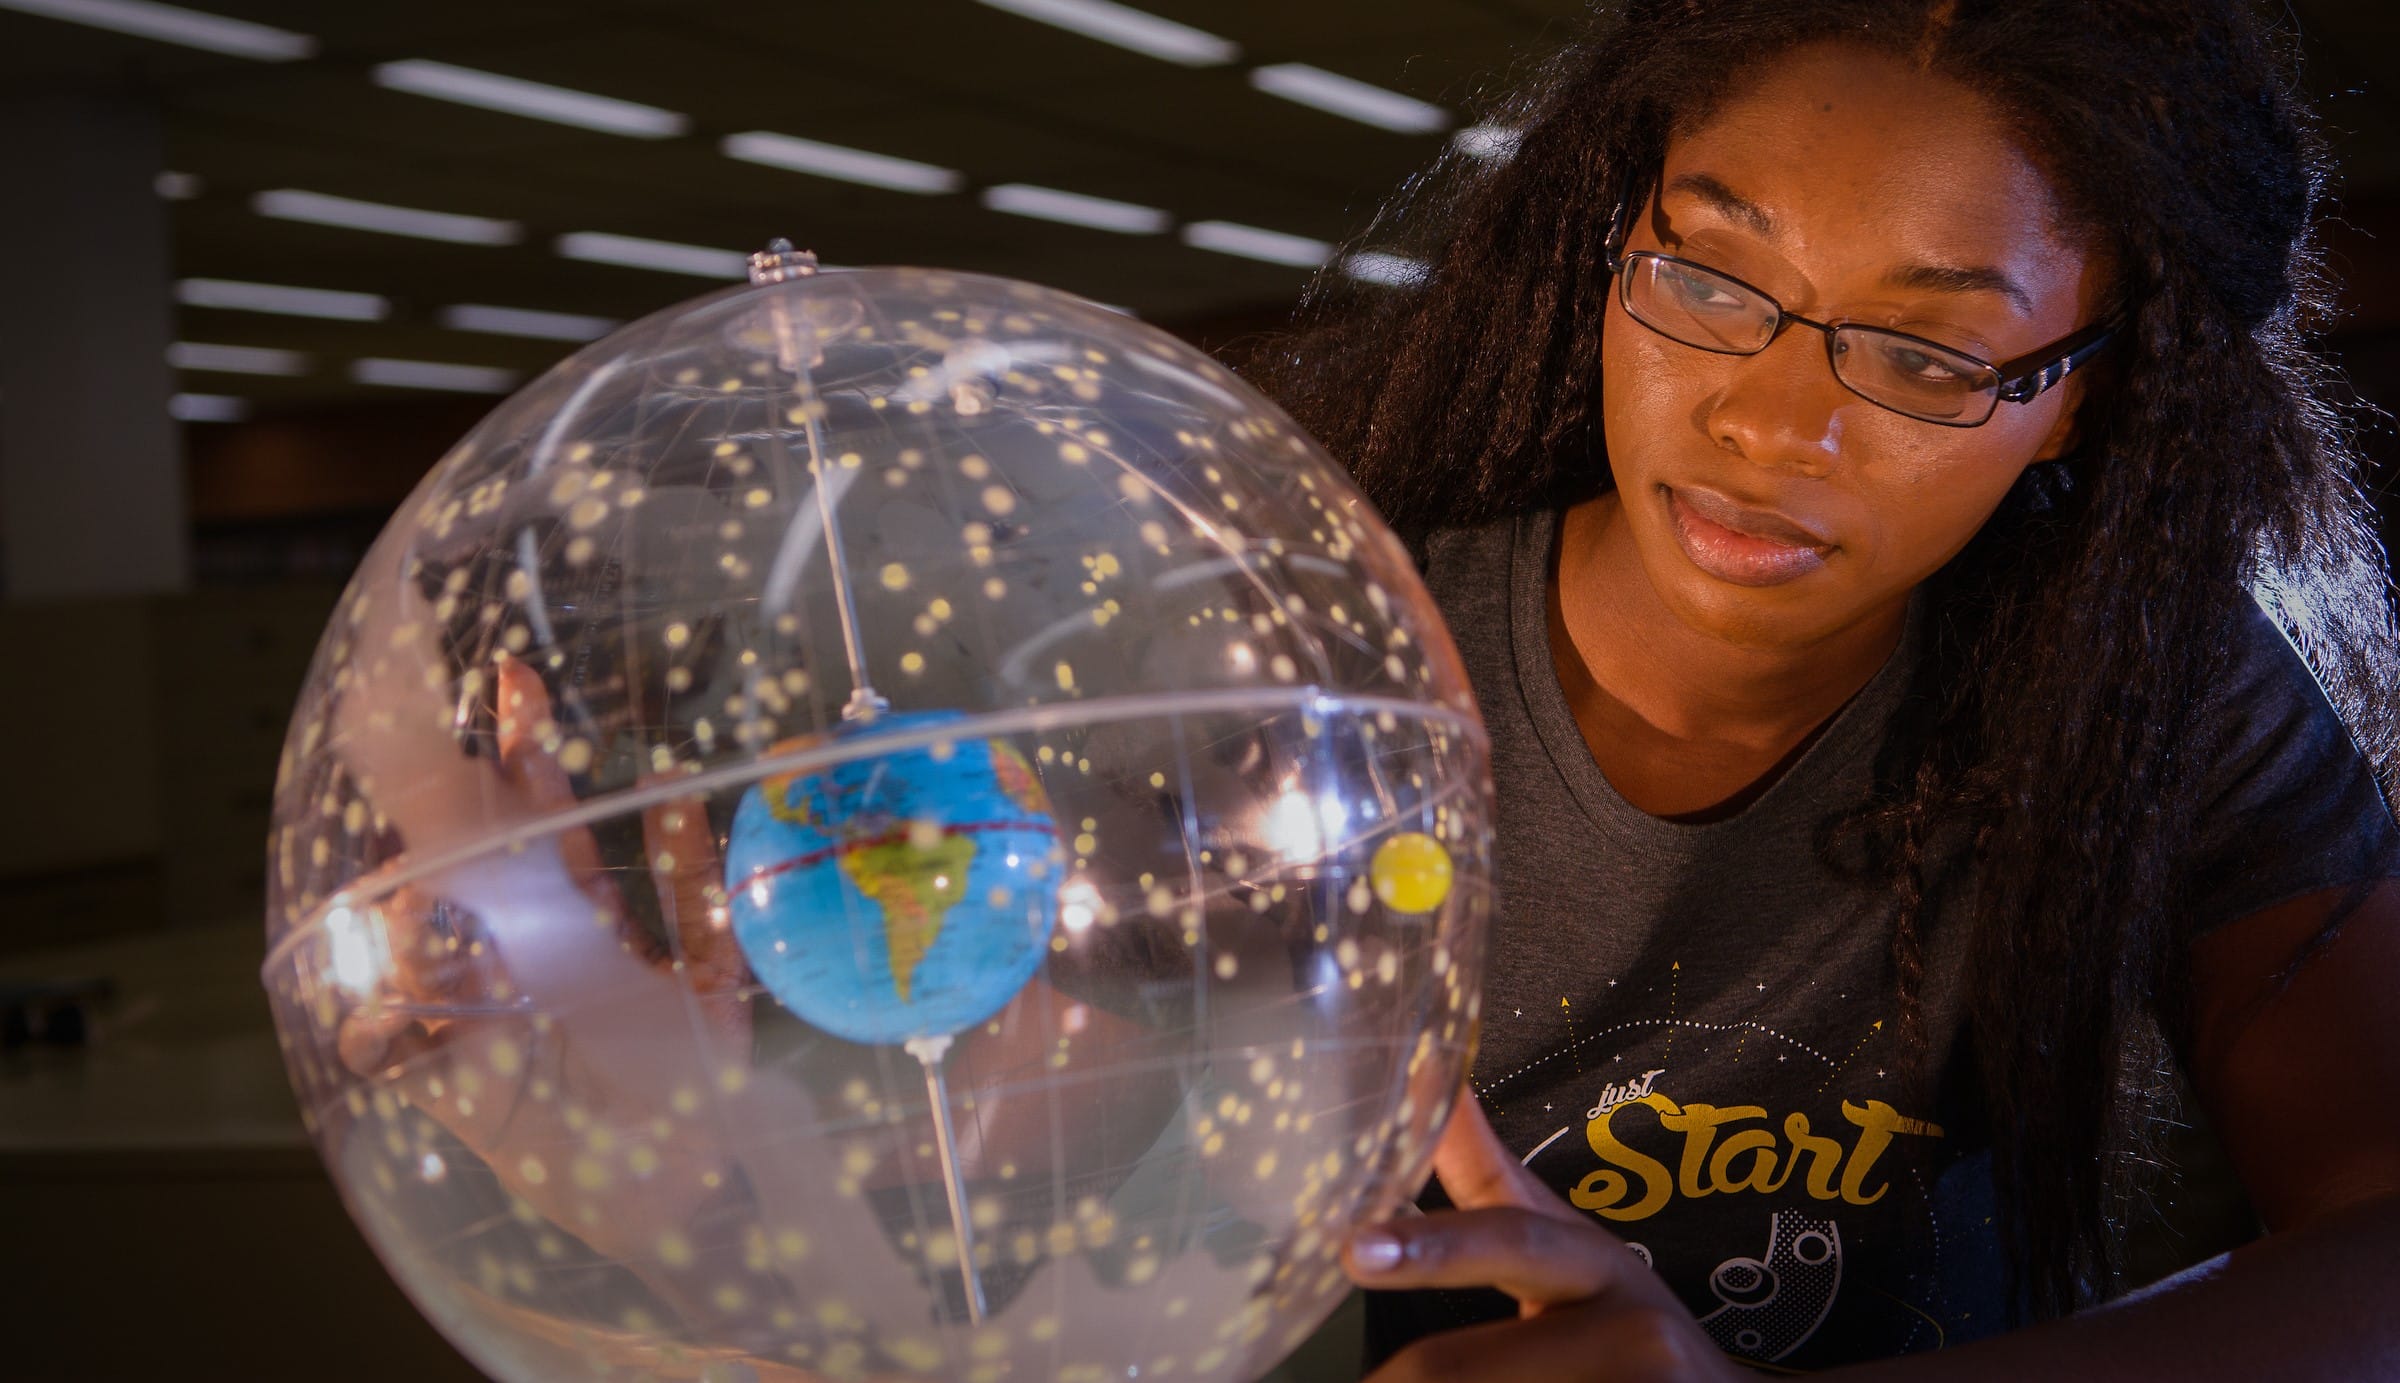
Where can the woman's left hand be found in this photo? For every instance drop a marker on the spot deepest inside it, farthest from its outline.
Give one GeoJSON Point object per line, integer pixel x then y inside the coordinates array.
{"type": "Point", "coordinates": [1588, 1307]}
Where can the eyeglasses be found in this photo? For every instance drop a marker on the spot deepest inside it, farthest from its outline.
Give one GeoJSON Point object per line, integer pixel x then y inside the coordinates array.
{"type": "Point", "coordinates": [1712, 311]}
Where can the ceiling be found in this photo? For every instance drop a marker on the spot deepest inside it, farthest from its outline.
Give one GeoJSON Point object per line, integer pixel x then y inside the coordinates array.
{"type": "Point", "coordinates": [999, 97]}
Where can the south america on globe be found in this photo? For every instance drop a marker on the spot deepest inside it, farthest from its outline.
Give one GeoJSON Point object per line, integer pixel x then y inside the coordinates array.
{"type": "Point", "coordinates": [899, 895]}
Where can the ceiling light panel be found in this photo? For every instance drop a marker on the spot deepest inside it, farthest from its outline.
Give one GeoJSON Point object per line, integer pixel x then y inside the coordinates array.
{"type": "Point", "coordinates": [534, 100]}
{"type": "Point", "coordinates": [1076, 209]}
{"type": "Point", "coordinates": [235, 360]}
{"type": "Point", "coordinates": [834, 161]}
{"type": "Point", "coordinates": [173, 24]}
{"type": "Point", "coordinates": [431, 374]}
{"type": "Point", "coordinates": [527, 322]}
{"type": "Point", "coordinates": [1350, 98]}
{"type": "Point", "coordinates": [321, 209]}
{"type": "Point", "coordinates": [282, 299]}
{"type": "Point", "coordinates": [633, 252]}
{"type": "Point", "coordinates": [1378, 266]}
{"type": "Point", "coordinates": [1494, 142]}
{"type": "Point", "coordinates": [1129, 28]}
{"type": "Point", "coordinates": [207, 408]}
{"type": "Point", "coordinates": [1251, 242]}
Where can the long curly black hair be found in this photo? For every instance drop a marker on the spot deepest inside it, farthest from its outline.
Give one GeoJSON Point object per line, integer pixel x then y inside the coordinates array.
{"type": "Point", "coordinates": [2214, 465]}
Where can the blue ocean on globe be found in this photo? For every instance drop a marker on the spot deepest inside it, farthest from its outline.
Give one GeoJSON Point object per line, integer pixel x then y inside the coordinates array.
{"type": "Point", "coordinates": [900, 895]}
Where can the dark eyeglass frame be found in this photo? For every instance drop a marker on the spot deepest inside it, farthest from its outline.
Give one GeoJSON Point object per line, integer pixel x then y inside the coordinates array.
{"type": "Point", "coordinates": [2020, 379]}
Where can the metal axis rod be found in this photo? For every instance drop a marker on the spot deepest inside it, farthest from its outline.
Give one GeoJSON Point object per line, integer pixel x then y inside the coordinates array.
{"type": "Point", "coordinates": [930, 1051]}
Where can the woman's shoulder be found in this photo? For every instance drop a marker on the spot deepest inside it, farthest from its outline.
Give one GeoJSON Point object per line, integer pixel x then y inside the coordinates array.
{"type": "Point", "coordinates": [2266, 703]}
{"type": "Point", "coordinates": [2290, 803]}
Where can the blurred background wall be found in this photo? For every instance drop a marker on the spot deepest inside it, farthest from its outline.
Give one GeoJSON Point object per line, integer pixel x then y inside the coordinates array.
{"type": "Point", "coordinates": [261, 263]}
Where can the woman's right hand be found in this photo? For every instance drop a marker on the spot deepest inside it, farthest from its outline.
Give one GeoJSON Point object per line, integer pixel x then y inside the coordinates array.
{"type": "Point", "coordinates": [532, 1083]}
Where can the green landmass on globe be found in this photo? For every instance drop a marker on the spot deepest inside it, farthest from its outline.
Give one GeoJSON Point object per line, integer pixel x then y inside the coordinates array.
{"type": "Point", "coordinates": [915, 886]}
{"type": "Point", "coordinates": [896, 895]}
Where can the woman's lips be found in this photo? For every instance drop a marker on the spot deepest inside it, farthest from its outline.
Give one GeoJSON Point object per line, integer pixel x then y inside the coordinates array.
{"type": "Point", "coordinates": [1738, 544]}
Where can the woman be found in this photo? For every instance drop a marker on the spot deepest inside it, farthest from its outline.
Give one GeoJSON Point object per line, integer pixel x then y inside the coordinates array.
{"type": "Point", "coordinates": [1847, 439]}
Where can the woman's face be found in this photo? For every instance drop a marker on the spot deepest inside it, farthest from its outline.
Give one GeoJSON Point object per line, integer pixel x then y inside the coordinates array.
{"type": "Point", "coordinates": [1767, 504]}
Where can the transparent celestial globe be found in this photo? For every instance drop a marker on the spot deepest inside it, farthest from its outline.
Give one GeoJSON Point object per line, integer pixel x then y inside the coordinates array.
{"type": "Point", "coordinates": [879, 824]}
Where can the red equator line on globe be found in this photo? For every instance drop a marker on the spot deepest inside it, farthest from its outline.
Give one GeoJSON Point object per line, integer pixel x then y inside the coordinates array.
{"type": "Point", "coordinates": [959, 828]}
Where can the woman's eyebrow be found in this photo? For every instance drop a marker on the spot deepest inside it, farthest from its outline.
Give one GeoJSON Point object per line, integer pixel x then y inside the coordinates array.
{"type": "Point", "coordinates": [1940, 278]}
{"type": "Point", "coordinates": [1712, 192]}
{"type": "Point", "coordinates": [1723, 200]}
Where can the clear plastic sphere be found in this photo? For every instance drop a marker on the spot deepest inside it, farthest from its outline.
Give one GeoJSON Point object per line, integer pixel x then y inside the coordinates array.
{"type": "Point", "coordinates": [880, 824]}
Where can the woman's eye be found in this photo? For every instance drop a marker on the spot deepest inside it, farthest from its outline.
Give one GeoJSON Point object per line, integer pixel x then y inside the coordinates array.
{"type": "Point", "coordinates": [1699, 293]}
{"type": "Point", "coordinates": [1920, 366]}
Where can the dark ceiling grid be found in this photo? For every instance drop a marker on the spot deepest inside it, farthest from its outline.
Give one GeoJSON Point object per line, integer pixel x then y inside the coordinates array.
{"type": "Point", "coordinates": [996, 96]}
{"type": "Point", "coordinates": [411, 143]}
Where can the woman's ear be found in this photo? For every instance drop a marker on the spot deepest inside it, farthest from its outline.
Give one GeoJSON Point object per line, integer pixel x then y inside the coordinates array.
{"type": "Point", "coordinates": [2067, 432]}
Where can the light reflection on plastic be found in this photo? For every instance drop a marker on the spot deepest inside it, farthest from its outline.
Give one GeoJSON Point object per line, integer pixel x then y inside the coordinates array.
{"type": "Point", "coordinates": [1078, 904]}
{"type": "Point", "coordinates": [1292, 826]}
{"type": "Point", "coordinates": [361, 954]}
{"type": "Point", "coordinates": [1335, 815]}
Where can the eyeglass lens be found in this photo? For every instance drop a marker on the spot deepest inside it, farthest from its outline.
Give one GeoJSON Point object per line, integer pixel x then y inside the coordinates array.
{"type": "Point", "coordinates": [1702, 308]}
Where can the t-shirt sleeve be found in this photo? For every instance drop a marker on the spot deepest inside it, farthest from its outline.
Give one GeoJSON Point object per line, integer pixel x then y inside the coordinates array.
{"type": "Point", "coordinates": [2291, 805]}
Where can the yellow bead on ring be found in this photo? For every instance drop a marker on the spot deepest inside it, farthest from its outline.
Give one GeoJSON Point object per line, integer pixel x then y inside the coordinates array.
{"type": "Point", "coordinates": [1411, 872]}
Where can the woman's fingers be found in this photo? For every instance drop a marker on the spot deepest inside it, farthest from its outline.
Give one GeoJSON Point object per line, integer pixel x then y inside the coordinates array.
{"type": "Point", "coordinates": [1594, 1341]}
{"type": "Point", "coordinates": [524, 724]}
{"type": "Point", "coordinates": [367, 1039]}
{"type": "Point", "coordinates": [678, 833]}
{"type": "Point", "coordinates": [1538, 1259]}
{"type": "Point", "coordinates": [1478, 1171]}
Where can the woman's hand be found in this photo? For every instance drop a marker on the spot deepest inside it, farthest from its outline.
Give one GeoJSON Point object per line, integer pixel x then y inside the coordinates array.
{"type": "Point", "coordinates": [524, 1091]}
{"type": "Point", "coordinates": [1588, 1308]}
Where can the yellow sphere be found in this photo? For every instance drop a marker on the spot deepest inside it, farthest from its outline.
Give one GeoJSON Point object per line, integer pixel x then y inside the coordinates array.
{"type": "Point", "coordinates": [1411, 872]}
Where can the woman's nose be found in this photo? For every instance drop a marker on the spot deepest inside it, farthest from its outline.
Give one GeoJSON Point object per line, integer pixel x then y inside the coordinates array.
{"type": "Point", "coordinates": [1781, 407]}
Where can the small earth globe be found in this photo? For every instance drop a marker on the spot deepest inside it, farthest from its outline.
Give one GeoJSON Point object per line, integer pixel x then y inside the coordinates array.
{"type": "Point", "coordinates": [903, 896]}
{"type": "Point", "coordinates": [879, 824]}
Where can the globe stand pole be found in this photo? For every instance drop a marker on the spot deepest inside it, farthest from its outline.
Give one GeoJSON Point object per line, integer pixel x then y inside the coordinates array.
{"type": "Point", "coordinates": [930, 1051]}
{"type": "Point", "coordinates": [779, 263]}
{"type": "Point", "coordinates": [798, 356]}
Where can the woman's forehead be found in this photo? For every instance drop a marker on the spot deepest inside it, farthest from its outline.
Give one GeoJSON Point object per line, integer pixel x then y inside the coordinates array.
{"type": "Point", "coordinates": [1857, 160]}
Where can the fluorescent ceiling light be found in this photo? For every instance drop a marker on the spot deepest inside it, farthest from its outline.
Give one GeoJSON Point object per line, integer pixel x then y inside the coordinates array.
{"type": "Point", "coordinates": [1075, 209]}
{"type": "Point", "coordinates": [1495, 142]}
{"type": "Point", "coordinates": [428, 374]}
{"type": "Point", "coordinates": [1391, 270]}
{"type": "Point", "coordinates": [279, 298]}
{"type": "Point", "coordinates": [835, 161]}
{"type": "Point", "coordinates": [177, 187]}
{"type": "Point", "coordinates": [1127, 27]}
{"type": "Point", "coordinates": [1275, 247]}
{"type": "Point", "coordinates": [236, 360]}
{"type": "Point", "coordinates": [1350, 98]}
{"type": "Point", "coordinates": [174, 24]}
{"type": "Point", "coordinates": [700, 261]}
{"type": "Point", "coordinates": [207, 408]}
{"type": "Point", "coordinates": [523, 321]}
{"type": "Point", "coordinates": [537, 100]}
{"type": "Point", "coordinates": [317, 208]}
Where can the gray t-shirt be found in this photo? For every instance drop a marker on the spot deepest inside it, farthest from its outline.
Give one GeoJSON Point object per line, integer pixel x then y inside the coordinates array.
{"type": "Point", "coordinates": [1689, 1030]}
